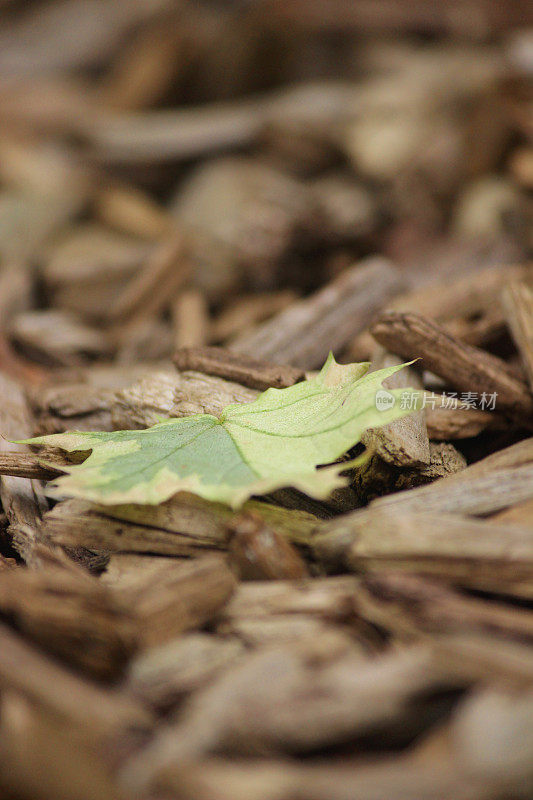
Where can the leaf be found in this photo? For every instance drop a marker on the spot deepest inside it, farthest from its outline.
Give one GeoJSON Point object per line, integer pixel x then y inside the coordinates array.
{"type": "Point", "coordinates": [253, 448]}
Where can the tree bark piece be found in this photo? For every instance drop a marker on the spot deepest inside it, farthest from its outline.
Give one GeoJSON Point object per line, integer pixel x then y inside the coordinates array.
{"type": "Point", "coordinates": [409, 606]}
{"type": "Point", "coordinates": [183, 526]}
{"type": "Point", "coordinates": [43, 681]}
{"type": "Point", "coordinates": [22, 499]}
{"type": "Point", "coordinates": [466, 368]}
{"type": "Point", "coordinates": [180, 598]}
{"type": "Point", "coordinates": [496, 482]}
{"type": "Point", "coordinates": [377, 478]}
{"type": "Point", "coordinates": [174, 395]}
{"type": "Point", "coordinates": [467, 308]}
{"type": "Point", "coordinates": [304, 333]}
{"type": "Point", "coordinates": [57, 338]}
{"type": "Point", "coordinates": [136, 403]}
{"type": "Point", "coordinates": [460, 422]}
{"type": "Point", "coordinates": [74, 406]}
{"type": "Point", "coordinates": [25, 465]}
{"type": "Point", "coordinates": [234, 367]}
{"type": "Point", "coordinates": [70, 615]}
{"type": "Point", "coordinates": [403, 443]}
{"type": "Point", "coordinates": [475, 553]}
{"type": "Point", "coordinates": [517, 300]}
{"type": "Point", "coordinates": [500, 481]}
{"type": "Point", "coordinates": [517, 455]}
{"type": "Point", "coordinates": [466, 493]}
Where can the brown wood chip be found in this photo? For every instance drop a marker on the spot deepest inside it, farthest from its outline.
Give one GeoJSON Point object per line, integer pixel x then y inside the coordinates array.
{"type": "Point", "coordinates": [466, 368]}
{"type": "Point", "coordinates": [234, 367]}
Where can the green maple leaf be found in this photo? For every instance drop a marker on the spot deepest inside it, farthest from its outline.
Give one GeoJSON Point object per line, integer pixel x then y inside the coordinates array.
{"type": "Point", "coordinates": [253, 448]}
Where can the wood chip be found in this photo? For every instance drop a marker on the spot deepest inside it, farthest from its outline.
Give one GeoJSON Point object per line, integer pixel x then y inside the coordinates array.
{"type": "Point", "coordinates": [475, 553]}
{"type": "Point", "coordinates": [165, 394]}
{"type": "Point", "coordinates": [22, 498]}
{"type": "Point", "coordinates": [60, 607]}
{"type": "Point", "coordinates": [517, 300]}
{"type": "Point", "coordinates": [403, 443]}
{"type": "Point", "coordinates": [43, 681]}
{"type": "Point", "coordinates": [474, 494]}
{"type": "Point", "coordinates": [464, 301]}
{"type": "Point", "coordinates": [183, 526]}
{"type": "Point", "coordinates": [234, 367]}
{"type": "Point", "coordinates": [409, 604]}
{"type": "Point", "coordinates": [377, 477]}
{"type": "Point", "coordinates": [182, 597]}
{"type": "Point", "coordinates": [57, 338]}
{"type": "Point", "coordinates": [461, 421]}
{"type": "Point", "coordinates": [25, 465]}
{"type": "Point", "coordinates": [466, 368]}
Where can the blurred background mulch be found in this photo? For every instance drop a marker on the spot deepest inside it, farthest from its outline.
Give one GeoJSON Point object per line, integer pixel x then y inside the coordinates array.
{"type": "Point", "coordinates": [280, 142]}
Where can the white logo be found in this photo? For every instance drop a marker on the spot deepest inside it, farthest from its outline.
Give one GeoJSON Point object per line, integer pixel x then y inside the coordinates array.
{"type": "Point", "coordinates": [384, 400]}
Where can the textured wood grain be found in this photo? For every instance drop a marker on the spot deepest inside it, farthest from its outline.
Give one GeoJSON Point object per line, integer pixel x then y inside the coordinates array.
{"type": "Point", "coordinates": [466, 368]}
{"type": "Point", "coordinates": [476, 553]}
{"type": "Point", "coordinates": [467, 493]}
{"type": "Point", "coordinates": [234, 367]}
{"type": "Point", "coordinates": [183, 526]}
{"type": "Point", "coordinates": [166, 394]}
{"type": "Point", "coordinates": [410, 605]}
{"type": "Point", "coordinates": [25, 465]}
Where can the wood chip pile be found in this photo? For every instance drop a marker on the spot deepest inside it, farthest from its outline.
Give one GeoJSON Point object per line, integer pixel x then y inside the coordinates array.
{"type": "Point", "coordinates": [199, 201]}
